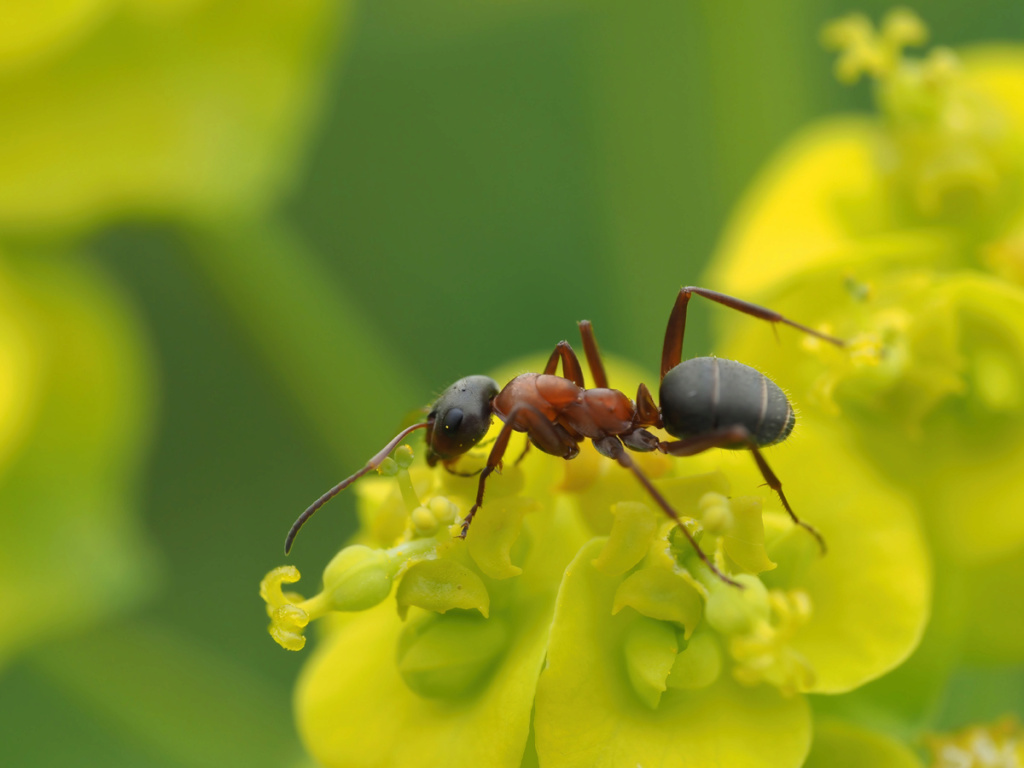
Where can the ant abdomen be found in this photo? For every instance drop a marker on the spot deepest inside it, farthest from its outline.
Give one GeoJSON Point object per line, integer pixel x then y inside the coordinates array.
{"type": "Point", "coordinates": [703, 394]}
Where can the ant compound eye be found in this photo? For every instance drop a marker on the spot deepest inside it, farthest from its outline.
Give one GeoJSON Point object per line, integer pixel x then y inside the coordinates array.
{"type": "Point", "coordinates": [452, 420]}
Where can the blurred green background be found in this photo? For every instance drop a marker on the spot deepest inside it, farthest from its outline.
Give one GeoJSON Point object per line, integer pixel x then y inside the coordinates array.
{"type": "Point", "coordinates": [373, 201]}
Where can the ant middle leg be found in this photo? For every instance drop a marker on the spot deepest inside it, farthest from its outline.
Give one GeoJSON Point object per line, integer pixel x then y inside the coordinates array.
{"type": "Point", "coordinates": [550, 438]}
{"type": "Point", "coordinates": [732, 437]}
{"type": "Point", "coordinates": [672, 349]}
{"type": "Point", "coordinates": [570, 364]}
{"type": "Point", "coordinates": [611, 447]}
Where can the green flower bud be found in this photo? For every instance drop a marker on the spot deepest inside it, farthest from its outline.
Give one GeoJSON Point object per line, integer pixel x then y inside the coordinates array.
{"type": "Point", "coordinates": [423, 522]}
{"type": "Point", "coordinates": [403, 456]}
{"type": "Point", "coordinates": [443, 510]}
{"type": "Point", "coordinates": [358, 578]}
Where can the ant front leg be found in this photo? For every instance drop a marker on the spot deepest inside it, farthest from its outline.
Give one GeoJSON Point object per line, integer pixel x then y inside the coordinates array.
{"type": "Point", "coordinates": [549, 437]}
{"type": "Point", "coordinates": [672, 349]}
{"type": "Point", "coordinates": [731, 437]}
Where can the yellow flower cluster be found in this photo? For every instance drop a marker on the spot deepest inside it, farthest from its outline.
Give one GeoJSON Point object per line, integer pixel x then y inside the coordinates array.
{"type": "Point", "coordinates": [574, 626]}
{"type": "Point", "coordinates": [574, 600]}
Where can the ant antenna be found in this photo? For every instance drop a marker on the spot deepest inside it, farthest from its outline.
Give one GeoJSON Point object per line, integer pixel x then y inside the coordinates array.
{"type": "Point", "coordinates": [372, 464]}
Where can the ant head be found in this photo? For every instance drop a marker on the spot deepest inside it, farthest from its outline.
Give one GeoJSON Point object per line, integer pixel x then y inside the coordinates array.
{"type": "Point", "coordinates": [460, 417]}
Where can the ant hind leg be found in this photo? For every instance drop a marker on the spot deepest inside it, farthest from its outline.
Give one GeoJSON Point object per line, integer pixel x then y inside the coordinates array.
{"type": "Point", "coordinates": [739, 436]}
{"type": "Point", "coordinates": [672, 350]}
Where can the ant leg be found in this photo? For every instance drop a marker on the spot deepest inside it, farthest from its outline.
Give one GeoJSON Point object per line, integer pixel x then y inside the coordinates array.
{"type": "Point", "coordinates": [647, 410]}
{"type": "Point", "coordinates": [611, 447]}
{"type": "Point", "coordinates": [549, 437]}
{"type": "Point", "coordinates": [570, 364]}
{"type": "Point", "coordinates": [672, 347]}
{"type": "Point", "coordinates": [526, 450]}
{"type": "Point", "coordinates": [672, 350]}
{"type": "Point", "coordinates": [730, 437]}
{"type": "Point", "coordinates": [593, 356]}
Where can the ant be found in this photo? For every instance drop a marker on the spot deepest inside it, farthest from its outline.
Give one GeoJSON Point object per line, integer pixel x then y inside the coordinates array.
{"type": "Point", "coordinates": [706, 402]}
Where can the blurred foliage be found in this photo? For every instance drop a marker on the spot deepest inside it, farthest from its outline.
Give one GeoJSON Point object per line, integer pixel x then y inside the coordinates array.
{"type": "Point", "coordinates": [308, 219]}
{"type": "Point", "coordinates": [76, 417]}
{"type": "Point", "coordinates": [153, 107]}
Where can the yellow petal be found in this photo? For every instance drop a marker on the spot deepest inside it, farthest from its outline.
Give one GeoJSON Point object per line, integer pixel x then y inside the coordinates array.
{"type": "Point", "coordinates": [661, 594]}
{"type": "Point", "coordinates": [354, 710]}
{"type": "Point", "coordinates": [650, 648]}
{"type": "Point", "coordinates": [997, 73]}
{"type": "Point", "coordinates": [588, 714]}
{"type": "Point", "coordinates": [744, 541]}
{"type": "Point", "coordinates": [870, 594]}
{"type": "Point", "coordinates": [493, 532]}
{"type": "Point", "coordinates": [34, 30]}
{"type": "Point", "coordinates": [630, 538]}
{"type": "Point", "coordinates": [803, 209]}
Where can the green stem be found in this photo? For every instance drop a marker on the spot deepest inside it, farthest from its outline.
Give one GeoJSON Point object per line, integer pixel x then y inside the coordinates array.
{"type": "Point", "coordinates": [309, 331]}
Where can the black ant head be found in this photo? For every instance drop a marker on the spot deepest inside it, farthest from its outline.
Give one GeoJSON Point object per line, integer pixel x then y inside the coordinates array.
{"type": "Point", "coordinates": [460, 418]}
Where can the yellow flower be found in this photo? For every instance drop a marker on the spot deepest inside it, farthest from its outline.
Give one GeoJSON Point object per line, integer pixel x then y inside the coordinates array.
{"type": "Point", "coordinates": [932, 389]}
{"type": "Point", "coordinates": [575, 625]}
{"type": "Point", "coordinates": [153, 107]}
{"type": "Point", "coordinates": [883, 232]}
{"type": "Point", "coordinates": [937, 177]}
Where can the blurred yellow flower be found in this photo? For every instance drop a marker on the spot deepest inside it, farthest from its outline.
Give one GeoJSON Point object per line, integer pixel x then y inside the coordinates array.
{"type": "Point", "coordinates": [932, 392]}
{"type": "Point", "coordinates": [74, 417]}
{"type": "Point", "coordinates": [936, 178]}
{"type": "Point", "coordinates": [885, 232]}
{"type": "Point", "coordinates": [156, 108]}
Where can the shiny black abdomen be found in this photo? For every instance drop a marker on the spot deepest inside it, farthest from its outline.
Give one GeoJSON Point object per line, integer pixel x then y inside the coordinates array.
{"type": "Point", "coordinates": [707, 393]}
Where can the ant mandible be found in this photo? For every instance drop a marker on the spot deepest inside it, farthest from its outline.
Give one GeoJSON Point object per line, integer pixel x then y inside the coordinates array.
{"type": "Point", "coordinates": [706, 402]}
